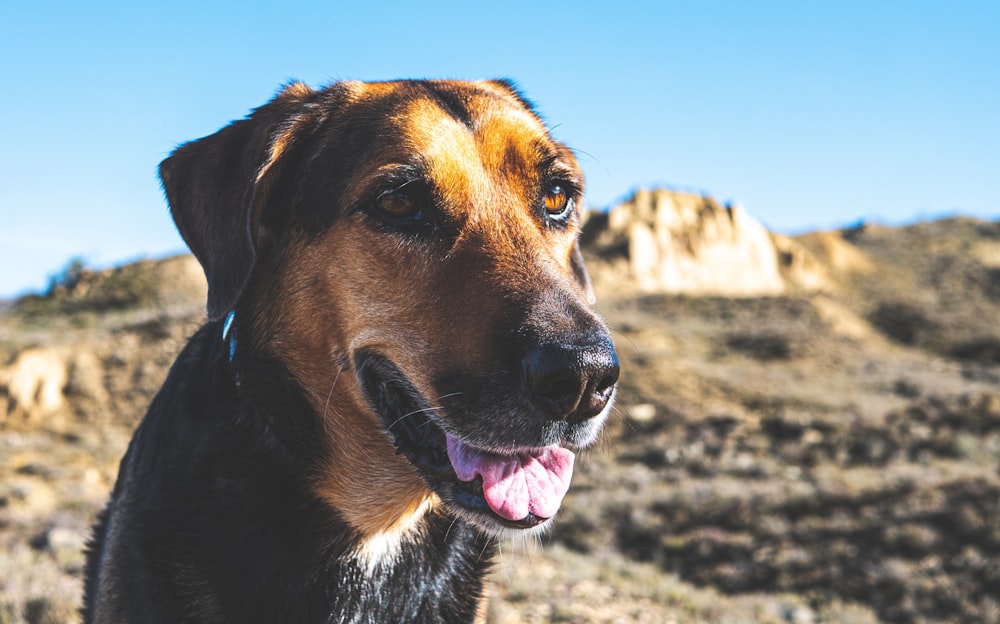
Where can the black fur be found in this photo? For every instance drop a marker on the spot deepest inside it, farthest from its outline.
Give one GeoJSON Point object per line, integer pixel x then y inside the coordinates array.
{"type": "Point", "coordinates": [212, 520]}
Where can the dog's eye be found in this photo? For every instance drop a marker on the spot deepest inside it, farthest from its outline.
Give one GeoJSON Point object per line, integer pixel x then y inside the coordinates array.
{"type": "Point", "coordinates": [557, 203]}
{"type": "Point", "coordinates": [399, 206]}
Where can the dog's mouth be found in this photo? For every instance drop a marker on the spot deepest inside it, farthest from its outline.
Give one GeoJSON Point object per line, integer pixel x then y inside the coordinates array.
{"type": "Point", "coordinates": [517, 489]}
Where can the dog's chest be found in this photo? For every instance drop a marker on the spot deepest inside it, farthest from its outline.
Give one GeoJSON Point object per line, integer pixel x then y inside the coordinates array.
{"type": "Point", "coordinates": [434, 575]}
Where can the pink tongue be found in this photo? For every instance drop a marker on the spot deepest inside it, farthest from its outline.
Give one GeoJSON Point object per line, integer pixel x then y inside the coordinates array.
{"type": "Point", "coordinates": [515, 485]}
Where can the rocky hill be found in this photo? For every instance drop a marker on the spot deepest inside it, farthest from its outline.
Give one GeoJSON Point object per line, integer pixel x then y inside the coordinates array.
{"type": "Point", "coordinates": [808, 427]}
{"type": "Point", "coordinates": [681, 243]}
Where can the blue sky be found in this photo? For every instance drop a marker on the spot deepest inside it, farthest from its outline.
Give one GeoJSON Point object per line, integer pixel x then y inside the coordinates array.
{"type": "Point", "coordinates": [811, 114]}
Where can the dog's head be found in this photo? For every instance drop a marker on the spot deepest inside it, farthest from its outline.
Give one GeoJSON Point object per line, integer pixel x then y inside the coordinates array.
{"type": "Point", "coordinates": [409, 251]}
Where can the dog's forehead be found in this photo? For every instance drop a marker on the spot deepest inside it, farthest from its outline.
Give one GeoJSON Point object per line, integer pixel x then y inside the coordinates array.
{"type": "Point", "coordinates": [467, 138]}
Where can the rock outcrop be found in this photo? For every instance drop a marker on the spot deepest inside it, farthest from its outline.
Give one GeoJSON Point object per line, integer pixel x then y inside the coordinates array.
{"type": "Point", "coordinates": [683, 243]}
{"type": "Point", "coordinates": [33, 383]}
{"type": "Point", "coordinates": [106, 322]}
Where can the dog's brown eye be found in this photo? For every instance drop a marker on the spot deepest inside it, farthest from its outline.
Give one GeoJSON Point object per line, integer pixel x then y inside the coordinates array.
{"type": "Point", "coordinates": [556, 201]}
{"type": "Point", "coordinates": [398, 206]}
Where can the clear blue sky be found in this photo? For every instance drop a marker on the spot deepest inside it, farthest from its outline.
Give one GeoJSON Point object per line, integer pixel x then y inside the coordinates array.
{"type": "Point", "coordinates": [812, 114]}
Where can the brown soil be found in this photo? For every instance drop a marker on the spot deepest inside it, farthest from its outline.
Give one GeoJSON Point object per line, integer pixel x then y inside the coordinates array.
{"type": "Point", "coordinates": [817, 457]}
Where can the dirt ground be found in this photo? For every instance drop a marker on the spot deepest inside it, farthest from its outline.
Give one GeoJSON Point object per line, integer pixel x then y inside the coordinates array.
{"type": "Point", "coordinates": [826, 456]}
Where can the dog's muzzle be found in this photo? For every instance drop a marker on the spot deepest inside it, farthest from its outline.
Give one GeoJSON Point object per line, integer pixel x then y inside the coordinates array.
{"type": "Point", "coordinates": [518, 477]}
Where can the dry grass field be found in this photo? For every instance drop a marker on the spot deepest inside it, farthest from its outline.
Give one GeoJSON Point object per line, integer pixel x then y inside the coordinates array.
{"type": "Point", "coordinates": [820, 456]}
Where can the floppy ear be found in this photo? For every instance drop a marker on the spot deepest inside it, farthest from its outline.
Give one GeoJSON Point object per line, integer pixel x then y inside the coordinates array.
{"type": "Point", "coordinates": [581, 274]}
{"type": "Point", "coordinates": [217, 186]}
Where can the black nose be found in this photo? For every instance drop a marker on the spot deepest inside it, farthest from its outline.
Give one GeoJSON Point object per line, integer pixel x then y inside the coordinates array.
{"type": "Point", "coordinates": [573, 382]}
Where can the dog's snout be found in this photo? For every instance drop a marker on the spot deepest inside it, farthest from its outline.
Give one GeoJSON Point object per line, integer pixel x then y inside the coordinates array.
{"type": "Point", "coordinates": [573, 382]}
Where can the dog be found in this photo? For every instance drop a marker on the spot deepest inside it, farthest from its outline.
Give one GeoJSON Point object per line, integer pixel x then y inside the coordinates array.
{"type": "Point", "coordinates": [399, 360]}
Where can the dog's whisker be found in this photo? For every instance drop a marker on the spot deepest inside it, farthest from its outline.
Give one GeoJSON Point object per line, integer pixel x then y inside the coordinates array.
{"type": "Point", "coordinates": [625, 336]}
{"type": "Point", "coordinates": [425, 423]}
{"type": "Point", "coordinates": [486, 547]}
{"type": "Point", "coordinates": [595, 159]}
{"type": "Point", "coordinates": [329, 395]}
{"type": "Point", "coordinates": [503, 564]}
{"type": "Point", "coordinates": [413, 413]}
{"type": "Point", "coordinates": [450, 527]}
{"type": "Point", "coordinates": [432, 408]}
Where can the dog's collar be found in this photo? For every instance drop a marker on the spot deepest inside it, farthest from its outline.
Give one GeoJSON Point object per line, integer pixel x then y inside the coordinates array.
{"type": "Point", "coordinates": [229, 335]}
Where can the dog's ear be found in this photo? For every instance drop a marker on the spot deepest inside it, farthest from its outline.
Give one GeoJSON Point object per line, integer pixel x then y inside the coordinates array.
{"type": "Point", "coordinates": [580, 273]}
{"type": "Point", "coordinates": [217, 186]}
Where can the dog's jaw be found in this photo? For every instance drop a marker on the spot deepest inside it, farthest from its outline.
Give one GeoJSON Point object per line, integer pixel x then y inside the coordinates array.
{"type": "Point", "coordinates": [455, 469]}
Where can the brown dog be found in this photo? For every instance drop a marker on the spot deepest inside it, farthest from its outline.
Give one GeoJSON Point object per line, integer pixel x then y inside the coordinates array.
{"type": "Point", "coordinates": [400, 355]}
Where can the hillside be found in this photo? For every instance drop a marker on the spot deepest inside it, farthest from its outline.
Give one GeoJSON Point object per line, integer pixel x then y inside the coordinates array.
{"type": "Point", "coordinates": [808, 427]}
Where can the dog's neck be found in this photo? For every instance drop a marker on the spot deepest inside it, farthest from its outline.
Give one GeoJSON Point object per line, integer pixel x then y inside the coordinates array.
{"type": "Point", "coordinates": [360, 476]}
{"type": "Point", "coordinates": [416, 545]}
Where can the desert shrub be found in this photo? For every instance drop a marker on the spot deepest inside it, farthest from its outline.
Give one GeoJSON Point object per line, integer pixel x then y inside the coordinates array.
{"type": "Point", "coordinates": [763, 346]}
{"type": "Point", "coordinates": [781, 429]}
{"type": "Point", "coordinates": [124, 288]}
{"type": "Point", "coordinates": [993, 283]}
{"type": "Point", "coordinates": [906, 389]}
{"type": "Point", "coordinates": [76, 289]}
{"type": "Point", "coordinates": [70, 276]}
{"type": "Point", "coordinates": [46, 611]}
{"type": "Point", "coordinates": [904, 322]}
{"type": "Point", "coordinates": [985, 349]}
